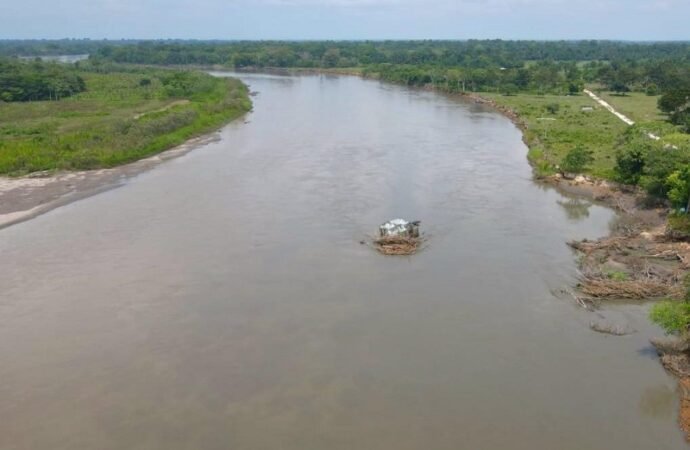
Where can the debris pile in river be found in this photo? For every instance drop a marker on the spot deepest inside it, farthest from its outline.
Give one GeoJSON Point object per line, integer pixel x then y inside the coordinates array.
{"type": "Point", "coordinates": [630, 267]}
{"type": "Point", "coordinates": [398, 237]}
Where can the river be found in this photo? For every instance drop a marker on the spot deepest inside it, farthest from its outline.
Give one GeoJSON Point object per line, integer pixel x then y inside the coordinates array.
{"type": "Point", "coordinates": [223, 299]}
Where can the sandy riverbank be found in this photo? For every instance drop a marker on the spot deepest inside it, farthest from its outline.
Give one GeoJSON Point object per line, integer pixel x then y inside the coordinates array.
{"type": "Point", "coordinates": [27, 197]}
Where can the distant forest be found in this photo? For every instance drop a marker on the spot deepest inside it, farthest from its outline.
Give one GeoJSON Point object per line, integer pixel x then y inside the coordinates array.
{"type": "Point", "coordinates": [487, 65]}
{"type": "Point", "coordinates": [556, 67]}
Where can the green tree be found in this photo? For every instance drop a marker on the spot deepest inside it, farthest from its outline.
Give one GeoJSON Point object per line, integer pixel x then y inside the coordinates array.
{"type": "Point", "coordinates": [619, 88]}
{"type": "Point", "coordinates": [676, 103]}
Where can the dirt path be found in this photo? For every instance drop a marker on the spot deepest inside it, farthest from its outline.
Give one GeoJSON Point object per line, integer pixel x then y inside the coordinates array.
{"type": "Point", "coordinates": [165, 108]}
{"type": "Point", "coordinates": [613, 111]}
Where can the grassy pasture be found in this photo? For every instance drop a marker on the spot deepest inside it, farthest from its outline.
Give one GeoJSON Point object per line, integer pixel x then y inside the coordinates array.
{"type": "Point", "coordinates": [121, 117]}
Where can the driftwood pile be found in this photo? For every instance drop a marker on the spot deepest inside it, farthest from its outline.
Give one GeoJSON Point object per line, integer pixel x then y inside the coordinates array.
{"type": "Point", "coordinates": [397, 245]}
{"type": "Point", "coordinates": [649, 269]}
{"type": "Point", "coordinates": [604, 287]}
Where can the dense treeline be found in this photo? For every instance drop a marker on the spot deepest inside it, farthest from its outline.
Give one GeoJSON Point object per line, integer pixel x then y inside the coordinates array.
{"type": "Point", "coordinates": [470, 53]}
{"type": "Point", "coordinates": [25, 81]}
{"type": "Point", "coordinates": [509, 66]}
{"type": "Point", "coordinates": [478, 65]}
{"type": "Point", "coordinates": [46, 47]}
{"type": "Point", "coordinates": [652, 76]}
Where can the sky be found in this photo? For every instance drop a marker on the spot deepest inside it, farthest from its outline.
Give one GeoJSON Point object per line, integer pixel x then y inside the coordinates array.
{"type": "Point", "coordinates": [346, 19]}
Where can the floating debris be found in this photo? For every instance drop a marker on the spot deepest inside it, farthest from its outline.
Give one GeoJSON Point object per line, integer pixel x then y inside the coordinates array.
{"type": "Point", "coordinates": [398, 237]}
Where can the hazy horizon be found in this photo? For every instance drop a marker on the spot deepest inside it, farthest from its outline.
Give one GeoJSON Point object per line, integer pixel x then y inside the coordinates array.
{"type": "Point", "coordinates": [619, 20]}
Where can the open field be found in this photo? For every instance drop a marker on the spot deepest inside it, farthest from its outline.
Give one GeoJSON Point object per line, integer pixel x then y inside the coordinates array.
{"type": "Point", "coordinates": [556, 124]}
{"type": "Point", "coordinates": [121, 117]}
{"type": "Point", "coordinates": [636, 105]}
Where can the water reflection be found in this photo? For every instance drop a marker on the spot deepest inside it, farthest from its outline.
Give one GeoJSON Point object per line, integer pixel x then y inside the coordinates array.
{"type": "Point", "coordinates": [575, 209]}
{"type": "Point", "coordinates": [658, 402]}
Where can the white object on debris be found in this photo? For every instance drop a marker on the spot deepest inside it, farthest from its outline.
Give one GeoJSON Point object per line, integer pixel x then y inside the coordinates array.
{"type": "Point", "coordinates": [399, 227]}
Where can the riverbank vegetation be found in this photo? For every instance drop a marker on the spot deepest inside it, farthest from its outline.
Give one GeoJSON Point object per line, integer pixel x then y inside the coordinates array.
{"type": "Point", "coordinates": [120, 114]}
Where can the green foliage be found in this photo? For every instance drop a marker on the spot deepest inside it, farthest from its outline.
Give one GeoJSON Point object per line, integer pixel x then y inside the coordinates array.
{"type": "Point", "coordinates": [117, 120]}
{"type": "Point", "coordinates": [542, 167]}
{"type": "Point", "coordinates": [674, 100]}
{"type": "Point", "coordinates": [31, 81]}
{"type": "Point", "coordinates": [678, 185]}
{"type": "Point", "coordinates": [577, 160]}
{"type": "Point", "coordinates": [509, 89]}
{"type": "Point", "coordinates": [617, 275]}
{"type": "Point", "coordinates": [630, 163]}
{"type": "Point", "coordinates": [183, 84]}
{"type": "Point", "coordinates": [660, 163]}
{"type": "Point", "coordinates": [662, 169]}
{"type": "Point", "coordinates": [679, 224]}
{"type": "Point", "coordinates": [676, 103]}
{"type": "Point", "coordinates": [672, 316]}
{"type": "Point", "coordinates": [651, 90]}
{"type": "Point", "coordinates": [619, 87]}
{"type": "Point", "coordinates": [552, 108]}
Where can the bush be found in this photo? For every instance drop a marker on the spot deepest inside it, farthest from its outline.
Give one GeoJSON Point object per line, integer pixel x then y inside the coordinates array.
{"type": "Point", "coordinates": [652, 90]}
{"type": "Point", "coordinates": [630, 165]}
{"type": "Point", "coordinates": [553, 108]}
{"type": "Point", "coordinates": [672, 316]}
{"type": "Point", "coordinates": [679, 227]}
{"type": "Point", "coordinates": [617, 275]}
{"type": "Point", "coordinates": [678, 185]}
{"type": "Point", "coordinates": [577, 160]}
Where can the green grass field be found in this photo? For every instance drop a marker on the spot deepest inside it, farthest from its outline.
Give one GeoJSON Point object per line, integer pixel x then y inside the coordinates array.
{"type": "Point", "coordinates": [551, 135]}
{"type": "Point", "coordinates": [121, 117]}
{"type": "Point", "coordinates": [636, 105]}
{"type": "Point", "coordinates": [644, 111]}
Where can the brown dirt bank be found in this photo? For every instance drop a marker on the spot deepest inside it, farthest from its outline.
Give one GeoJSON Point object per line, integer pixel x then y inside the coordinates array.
{"type": "Point", "coordinates": [27, 197]}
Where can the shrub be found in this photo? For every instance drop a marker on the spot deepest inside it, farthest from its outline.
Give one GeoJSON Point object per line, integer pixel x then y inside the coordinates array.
{"type": "Point", "coordinates": [678, 184]}
{"type": "Point", "coordinates": [672, 316]}
{"type": "Point", "coordinates": [553, 108]}
{"type": "Point", "coordinates": [577, 160]}
{"type": "Point", "coordinates": [630, 165]}
{"type": "Point", "coordinates": [652, 90]}
{"type": "Point", "coordinates": [617, 275]}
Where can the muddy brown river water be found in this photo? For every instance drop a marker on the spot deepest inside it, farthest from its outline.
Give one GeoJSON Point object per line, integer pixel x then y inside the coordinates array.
{"type": "Point", "coordinates": [222, 300]}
